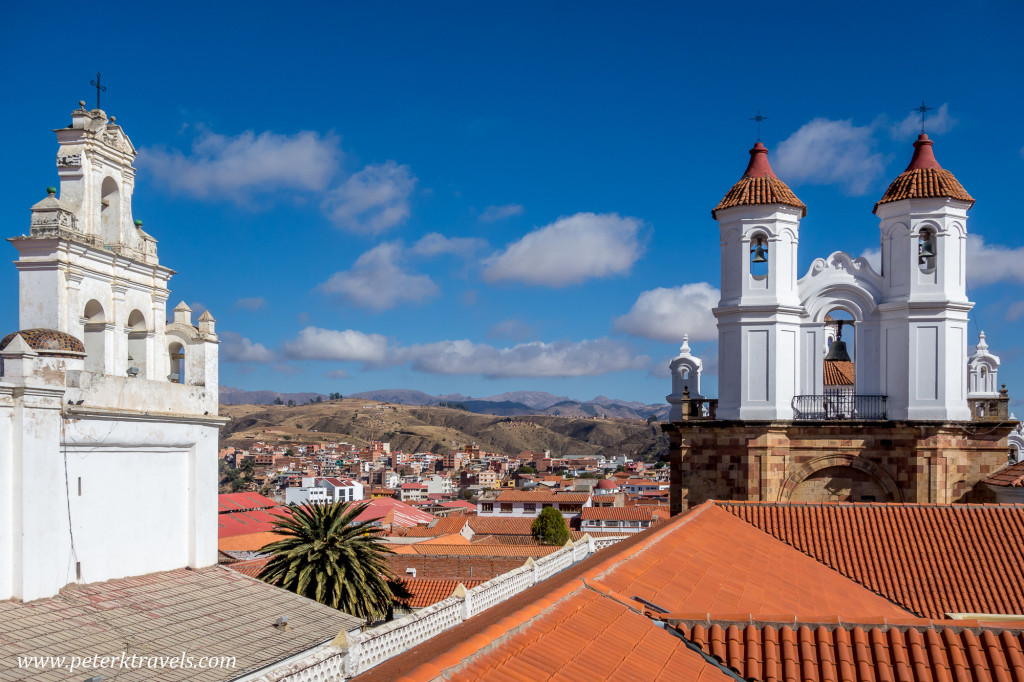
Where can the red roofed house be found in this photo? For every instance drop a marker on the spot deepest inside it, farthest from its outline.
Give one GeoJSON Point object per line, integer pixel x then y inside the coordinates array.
{"type": "Point", "coordinates": [529, 503]}
{"type": "Point", "coordinates": [617, 519]}
{"type": "Point", "coordinates": [325, 490]}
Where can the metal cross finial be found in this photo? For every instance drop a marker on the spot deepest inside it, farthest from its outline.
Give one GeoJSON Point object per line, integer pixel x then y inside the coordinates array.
{"type": "Point", "coordinates": [759, 118]}
{"type": "Point", "coordinates": [922, 110]}
{"type": "Point", "coordinates": [96, 84]}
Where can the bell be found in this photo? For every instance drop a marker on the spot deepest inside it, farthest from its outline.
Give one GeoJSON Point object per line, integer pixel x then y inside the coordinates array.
{"type": "Point", "coordinates": [838, 352]}
{"type": "Point", "coordinates": [759, 255]}
{"type": "Point", "coordinates": [926, 250]}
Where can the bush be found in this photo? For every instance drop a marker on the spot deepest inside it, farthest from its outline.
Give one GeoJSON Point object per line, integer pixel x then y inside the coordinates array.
{"type": "Point", "coordinates": [549, 528]}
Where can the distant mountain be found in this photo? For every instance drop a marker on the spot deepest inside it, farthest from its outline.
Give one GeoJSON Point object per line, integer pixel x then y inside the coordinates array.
{"type": "Point", "coordinates": [511, 404]}
{"type": "Point", "coordinates": [402, 396]}
{"type": "Point", "coordinates": [235, 396]}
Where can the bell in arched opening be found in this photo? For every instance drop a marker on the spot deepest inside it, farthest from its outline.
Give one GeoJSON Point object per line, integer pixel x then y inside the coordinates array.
{"type": "Point", "coordinates": [837, 351]}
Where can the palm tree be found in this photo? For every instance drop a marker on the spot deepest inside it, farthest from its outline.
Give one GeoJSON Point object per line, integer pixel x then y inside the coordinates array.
{"type": "Point", "coordinates": [330, 557]}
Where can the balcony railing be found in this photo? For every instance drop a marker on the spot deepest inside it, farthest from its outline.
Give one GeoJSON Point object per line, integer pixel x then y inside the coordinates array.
{"type": "Point", "coordinates": [838, 407]}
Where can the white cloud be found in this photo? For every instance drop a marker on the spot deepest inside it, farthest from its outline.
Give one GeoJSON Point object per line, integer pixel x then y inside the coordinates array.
{"type": "Point", "coordinates": [988, 264]}
{"type": "Point", "coordinates": [1015, 312]}
{"type": "Point", "coordinates": [287, 370]}
{"type": "Point", "coordinates": [874, 257]}
{"type": "Point", "coordinates": [826, 152]}
{"type": "Point", "coordinates": [537, 359]}
{"type": "Point", "coordinates": [252, 303]}
{"type": "Point", "coordinates": [373, 200]}
{"type": "Point", "coordinates": [235, 167]}
{"type": "Point", "coordinates": [314, 343]}
{"type": "Point", "coordinates": [569, 251]}
{"type": "Point", "coordinates": [935, 123]}
{"type": "Point", "coordinates": [236, 348]}
{"type": "Point", "coordinates": [435, 244]}
{"type": "Point", "coordinates": [511, 328]}
{"type": "Point", "coordinates": [336, 374]}
{"type": "Point", "coordinates": [665, 314]}
{"type": "Point", "coordinates": [378, 282]}
{"type": "Point", "coordinates": [494, 213]}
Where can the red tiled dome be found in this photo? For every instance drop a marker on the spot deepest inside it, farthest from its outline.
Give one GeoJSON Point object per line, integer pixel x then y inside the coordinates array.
{"type": "Point", "coordinates": [759, 186]}
{"type": "Point", "coordinates": [606, 484]}
{"type": "Point", "coordinates": [48, 342]}
{"type": "Point", "coordinates": [924, 178]}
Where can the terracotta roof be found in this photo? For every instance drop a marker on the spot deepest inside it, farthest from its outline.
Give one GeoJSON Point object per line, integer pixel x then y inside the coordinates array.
{"type": "Point", "coordinates": [229, 502]}
{"type": "Point", "coordinates": [1008, 476]}
{"type": "Point", "coordinates": [246, 523]}
{"type": "Point", "coordinates": [604, 498]}
{"type": "Point", "coordinates": [574, 535]}
{"type": "Point", "coordinates": [474, 549]}
{"type": "Point", "coordinates": [390, 510]}
{"type": "Point", "coordinates": [501, 525]}
{"type": "Point", "coordinates": [251, 568]}
{"type": "Point", "coordinates": [460, 504]}
{"type": "Point", "coordinates": [253, 542]}
{"type": "Point", "coordinates": [606, 484]}
{"type": "Point", "coordinates": [205, 612]}
{"type": "Point", "coordinates": [428, 591]}
{"type": "Point", "coordinates": [852, 653]}
{"type": "Point", "coordinates": [931, 559]}
{"type": "Point", "coordinates": [838, 373]}
{"type": "Point", "coordinates": [541, 496]}
{"type": "Point", "coordinates": [617, 514]}
{"type": "Point", "coordinates": [48, 342]}
{"type": "Point", "coordinates": [442, 526]}
{"type": "Point", "coordinates": [924, 178]}
{"type": "Point", "coordinates": [583, 623]}
{"type": "Point", "coordinates": [759, 186]}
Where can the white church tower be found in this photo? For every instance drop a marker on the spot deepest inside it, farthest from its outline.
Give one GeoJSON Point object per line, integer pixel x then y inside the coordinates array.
{"type": "Point", "coordinates": [108, 413]}
{"type": "Point", "coordinates": [923, 312]}
{"type": "Point", "coordinates": [759, 312]}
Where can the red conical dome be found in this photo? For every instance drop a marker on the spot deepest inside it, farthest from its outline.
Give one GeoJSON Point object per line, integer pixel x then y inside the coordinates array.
{"type": "Point", "coordinates": [759, 186]}
{"type": "Point", "coordinates": [924, 178]}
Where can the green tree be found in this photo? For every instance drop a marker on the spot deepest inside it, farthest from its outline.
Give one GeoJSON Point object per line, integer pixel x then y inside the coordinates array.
{"type": "Point", "coordinates": [526, 470]}
{"type": "Point", "coordinates": [328, 556]}
{"type": "Point", "coordinates": [278, 401]}
{"type": "Point", "coordinates": [549, 527]}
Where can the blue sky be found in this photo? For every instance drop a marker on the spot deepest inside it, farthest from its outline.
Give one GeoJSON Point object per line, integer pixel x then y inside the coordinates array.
{"type": "Point", "coordinates": [484, 197]}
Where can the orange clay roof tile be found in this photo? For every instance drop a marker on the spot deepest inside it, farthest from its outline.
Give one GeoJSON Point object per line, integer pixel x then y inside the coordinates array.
{"type": "Point", "coordinates": [1008, 476]}
{"type": "Point", "coordinates": [930, 559]}
{"type": "Point", "coordinates": [838, 373]}
{"type": "Point", "coordinates": [428, 591]}
{"type": "Point", "coordinates": [759, 186]}
{"type": "Point", "coordinates": [617, 513]}
{"type": "Point", "coordinates": [924, 178]}
{"type": "Point", "coordinates": [850, 653]}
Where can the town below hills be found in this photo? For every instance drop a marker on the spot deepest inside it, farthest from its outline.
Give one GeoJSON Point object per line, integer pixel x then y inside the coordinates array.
{"type": "Point", "coordinates": [512, 404]}
{"type": "Point", "coordinates": [437, 429]}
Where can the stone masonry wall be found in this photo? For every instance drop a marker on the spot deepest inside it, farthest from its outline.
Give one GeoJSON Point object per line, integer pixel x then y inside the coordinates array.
{"type": "Point", "coordinates": [839, 461]}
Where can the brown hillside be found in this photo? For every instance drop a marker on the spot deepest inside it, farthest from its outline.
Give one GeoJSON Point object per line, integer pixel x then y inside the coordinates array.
{"type": "Point", "coordinates": [439, 429]}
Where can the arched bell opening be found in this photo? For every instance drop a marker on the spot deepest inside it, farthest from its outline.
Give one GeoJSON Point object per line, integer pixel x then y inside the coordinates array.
{"type": "Point", "coordinates": [176, 353]}
{"type": "Point", "coordinates": [95, 336]}
{"type": "Point", "coordinates": [110, 211]}
{"type": "Point", "coordinates": [759, 257]}
{"type": "Point", "coordinates": [136, 362]}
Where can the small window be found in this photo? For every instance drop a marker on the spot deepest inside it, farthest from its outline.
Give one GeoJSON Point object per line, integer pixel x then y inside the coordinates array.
{"type": "Point", "coordinates": [487, 506]}
{"type": "Point", "coordinates": [506, 507]}
{"type": "Point", "coordinates": [529, 506]}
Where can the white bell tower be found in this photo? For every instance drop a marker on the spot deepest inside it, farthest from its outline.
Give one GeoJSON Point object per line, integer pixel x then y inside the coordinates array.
{"type": "Point", "coordinates": [759, 312]}
{"type": "Point", "coordinates": [924, 305]}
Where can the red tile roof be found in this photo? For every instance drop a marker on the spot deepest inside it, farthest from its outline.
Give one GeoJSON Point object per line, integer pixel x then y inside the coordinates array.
{"type": "Point", "coordinates": [759, 186]}
{"type": "Point", "coordinates": [428, 548]}
{"type": "Point", "coordinates": [245, 523]}
{"type": "Point", "coordinates": [247, 543]}
{"type": "Point", "coordinates": [460, 504]}
{"type": "Point", "coordinates": [930, 559]}
{"type": "Point", "coordinates": [541, 496]}
{"type": "Point", "coordinates": [1010, 476]}
{"type": "Point", "coordinates": [838, 373]}
{"type": "Point", "coordinates": [924, 178]}
{"type": "Point", "coordinates": [442, 526]}
{"type": "Point", "coordinates": [390, 510]}
{"type": "Point", "coordinates": [501, 525]}
{"type": "Point", "coordinates": [230, 502]}
{"type": "Point", "coordinates": [429, 591]}
{"type": "Point", "coordinates": [617, 514]}
{"type": "Point", "coordinates": [251, 568]}
{"type": "Point", "coordinates": [852, 653]}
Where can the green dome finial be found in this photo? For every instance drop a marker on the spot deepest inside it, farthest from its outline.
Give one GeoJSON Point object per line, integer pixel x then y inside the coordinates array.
{"type": "Point", "coordinates": [51, 190]}
{"type": "Point", "coordinates": [138, 223]}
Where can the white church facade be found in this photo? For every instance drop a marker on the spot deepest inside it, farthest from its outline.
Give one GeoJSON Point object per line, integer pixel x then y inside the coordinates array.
{"type": "Point", "coordinates": [106, 409]}
{"type": "Point", "coordinates": [794, 421]}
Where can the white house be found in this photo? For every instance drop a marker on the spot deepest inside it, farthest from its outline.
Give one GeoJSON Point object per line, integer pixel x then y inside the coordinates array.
{"type": "Point", "coordinates": [529, 503]}
{"type": "Point", "coordinates": [617, 519]}
{"type": "Point", "coordinates": [325, 490]}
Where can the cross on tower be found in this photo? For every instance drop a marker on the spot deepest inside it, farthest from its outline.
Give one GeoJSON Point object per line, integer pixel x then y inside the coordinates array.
{"type": "Point", "coordinates": [96, 84]}
{"type": "Point", "coordinates": [759, 118]}
{"type": "Point", "coordinates": [922, 110]}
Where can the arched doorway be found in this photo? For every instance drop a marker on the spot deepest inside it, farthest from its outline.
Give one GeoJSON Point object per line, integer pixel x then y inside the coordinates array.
{"type": "Point", "coordinates": [840, 478]}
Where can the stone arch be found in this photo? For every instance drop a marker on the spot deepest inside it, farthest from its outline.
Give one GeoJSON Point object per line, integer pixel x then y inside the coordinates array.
{"type": "Point", "coordinates": [849, 297]}
{"type": "Point", "coordinates": [840, 462]}
{"type": "Point", "coordinates": [110, 211]}
{"type": "Point", "coordinates": [95, 336]}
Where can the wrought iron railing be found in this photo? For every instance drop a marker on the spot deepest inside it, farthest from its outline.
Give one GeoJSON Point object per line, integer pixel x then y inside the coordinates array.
{"type": "Point", "coordinates": [839, 406]}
